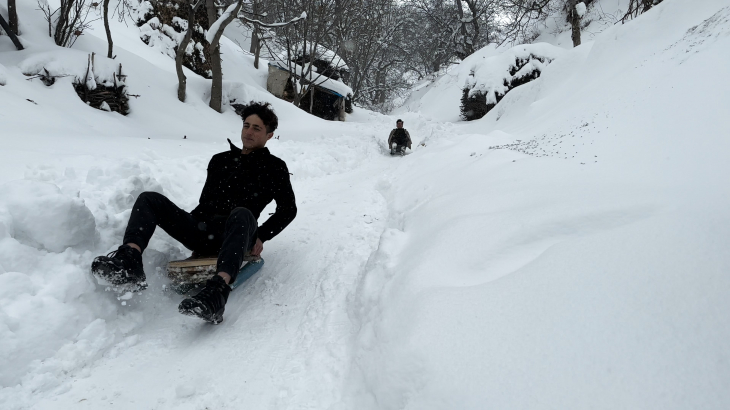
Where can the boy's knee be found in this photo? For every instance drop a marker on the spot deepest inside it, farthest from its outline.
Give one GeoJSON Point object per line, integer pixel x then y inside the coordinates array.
{"type": "Point", "coordinates": [241, 214]}
{"type": "Point", "coordinates": [149, 195]}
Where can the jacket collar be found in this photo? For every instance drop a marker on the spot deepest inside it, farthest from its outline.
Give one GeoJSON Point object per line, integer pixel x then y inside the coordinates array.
{"type": "Point", "coordinates": [237, 151]}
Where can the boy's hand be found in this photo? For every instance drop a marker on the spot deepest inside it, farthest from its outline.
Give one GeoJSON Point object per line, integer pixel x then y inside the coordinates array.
{"type": "Point", "coordinates": [258, 247]}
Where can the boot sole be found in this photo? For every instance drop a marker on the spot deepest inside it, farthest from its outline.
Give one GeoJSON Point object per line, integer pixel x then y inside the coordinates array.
{"type": "Point", "coordinates": [105, 273]}
{"type": "Point", "coordinates": [192, 307]}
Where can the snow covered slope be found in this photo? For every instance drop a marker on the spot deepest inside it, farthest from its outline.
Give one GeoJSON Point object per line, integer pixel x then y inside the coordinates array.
{"type": "Point", "coordinates": [438, 98]}
{"type": "Point", "coordinates": [568, 250]}
{"type": "Point", "coordinates": [582, 240]}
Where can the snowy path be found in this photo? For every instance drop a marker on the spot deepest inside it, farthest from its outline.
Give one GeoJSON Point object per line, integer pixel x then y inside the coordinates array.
{"type": "Point", "coordinates": [285, 341]}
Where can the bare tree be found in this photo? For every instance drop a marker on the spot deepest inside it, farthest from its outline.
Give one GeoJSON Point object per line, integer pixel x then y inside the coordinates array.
{"type": "Point", "coordinates": [13, 17]}
{"type": "Point", "coordinates": [301, 45]}
{"type": "Point", "coordinates": [12, 35]}
{"type": "Point", "coordinates": [522, 18]}
{"type": "Point", "coordinates": [68, 22]}
{"type": "Point", "coordinates": [217, 26]}
{"type": "Point", "coordinates": [574, 18]}
{"type": "Point", "coordinates": [105, 7]}
{"type": "Point", "coordinates": [192, 7]}
{"type": "Point", "coordinates": [257, 34]}
{"type": "Point", "coordinates": [637, 7]}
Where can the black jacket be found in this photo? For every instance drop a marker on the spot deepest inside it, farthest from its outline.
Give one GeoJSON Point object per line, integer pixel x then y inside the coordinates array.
{"type": "Point", "coordinates": [251, 181]}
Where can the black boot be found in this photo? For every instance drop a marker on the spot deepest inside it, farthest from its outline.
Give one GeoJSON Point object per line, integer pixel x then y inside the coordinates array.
{"type": "Point", "coordinates": [210, 303]}
{"type": "Point", "coordinates": [122, 267]}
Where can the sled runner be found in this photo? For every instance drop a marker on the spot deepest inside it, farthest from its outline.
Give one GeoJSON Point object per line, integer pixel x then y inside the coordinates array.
{"type": "Point", "coordinates": [191, 273]}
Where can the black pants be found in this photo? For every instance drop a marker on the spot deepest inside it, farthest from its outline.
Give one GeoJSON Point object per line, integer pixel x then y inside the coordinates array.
{"type": "Point", "coordinates": [228, 238]}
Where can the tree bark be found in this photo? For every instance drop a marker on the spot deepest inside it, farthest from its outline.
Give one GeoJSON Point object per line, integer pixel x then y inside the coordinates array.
{"type": "Point", "coordinates": [574, 19]}
{"type": "Point", "coordinates": [180, 55]}
{"type": "Point", "coordinates": [216, 88]}
{"type": "Point", "coordinates": [12, 36]}
{"type": "Point", "coordinates": [108, 30]}
{"type": "Point", "coordinates": [254, 37]}
{"type": "Point", "coordinates": [464, 52]}
{"type": "Point", "coordinates": [257, 53]}
{"type": "Point", "coordinates": [13, 17]}
{"type": "Point", "coordinates": [311, 99]}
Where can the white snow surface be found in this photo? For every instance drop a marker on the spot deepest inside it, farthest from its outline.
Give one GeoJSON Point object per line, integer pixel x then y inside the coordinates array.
{"type": "Point", "coordinates": [568, 250]}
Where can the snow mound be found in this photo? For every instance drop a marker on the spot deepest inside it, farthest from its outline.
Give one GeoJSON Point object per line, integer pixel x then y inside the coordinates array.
{"type": "Point", "coordinates": [42, 216]}
{"type": "Point", "coordinates": [489, 81]}
{"type": "Point", "coordinates": [492, 76]}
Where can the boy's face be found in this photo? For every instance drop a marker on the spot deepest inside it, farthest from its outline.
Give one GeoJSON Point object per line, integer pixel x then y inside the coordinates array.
{"type": "Point", "coordinates": [399, 124]}
{"type": "Point", "coordinates": [253, 134]}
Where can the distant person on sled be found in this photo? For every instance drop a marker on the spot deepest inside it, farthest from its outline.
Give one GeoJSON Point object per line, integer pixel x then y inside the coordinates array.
{"type": "Point", "coordinates": [240, 183]}
{"type": "Point", "coordinates": [400, 138]}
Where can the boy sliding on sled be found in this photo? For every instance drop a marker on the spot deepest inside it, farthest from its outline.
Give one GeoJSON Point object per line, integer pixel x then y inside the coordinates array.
{"type": "Point", "coordinates": [240, 183]}
{"type": "Point", "coordinates": [400, 137]}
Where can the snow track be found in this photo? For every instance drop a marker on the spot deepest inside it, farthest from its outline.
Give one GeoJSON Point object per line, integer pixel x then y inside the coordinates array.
{"type": "Point", "coordinates": [285, 341]}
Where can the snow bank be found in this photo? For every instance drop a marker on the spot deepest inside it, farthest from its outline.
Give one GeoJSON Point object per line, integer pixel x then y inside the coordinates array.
{"type": "Point", "coordinates": [492, 76]}
{"type": "Point", "coordinates": [565, 251]}
{"type": "Point", "coordinates": [70, 63]}
{"type": "Point", "coordinates": [486, 72]}
{"type": "Point", "coordinates": [42, 217]}
{"type": "Point", "coordinates": [438, 99]}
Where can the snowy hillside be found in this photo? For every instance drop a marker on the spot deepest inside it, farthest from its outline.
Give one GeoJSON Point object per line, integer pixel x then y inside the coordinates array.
{"type": "Point", "coordinates": [568, 250]}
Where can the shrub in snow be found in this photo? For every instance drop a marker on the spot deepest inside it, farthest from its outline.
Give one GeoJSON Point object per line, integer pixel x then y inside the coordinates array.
{"type": "Point", "coordinates": [39, 215]}
{"type": "Point", "coordinates": [100, 95]}
{"type": "Point", "coordinates": [67, 22]}
{"type": "Point", "coordinates": [491, 79]}
{"type": "Point", "coordinates": [163, 25]}
{"type": "Point", "coordinates": [96, 79]}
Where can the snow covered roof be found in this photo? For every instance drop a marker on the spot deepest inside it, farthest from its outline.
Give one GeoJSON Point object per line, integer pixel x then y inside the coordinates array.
{"type": "Point", "coordinates": [321, 53]}
{"type": "Point", "coordinates": [336, 86]}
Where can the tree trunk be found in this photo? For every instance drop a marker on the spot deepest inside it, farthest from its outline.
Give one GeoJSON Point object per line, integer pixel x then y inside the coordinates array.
{"type": "Point", "coordinates": [297, 96]}
{"type": "Point", "coordinates": [180, 55]}
{"type": "Point", "coordinates": [12, 36]}
{"type": "Point", "coordinates": [258, 53]}
{"type": "Point", "coordinates": [13, 17]}
{"type": "Point", "coordinates": [216, 91]}
{"type": "Point", "coordinates": [254, 37]}
{"type": "Point", "coordinates": [574, 19]}
{"type": "Point", "coordinates": [466, 49]}
{"type": "Point", "coordinates": [255, 45]}
{"type": "Point", "coordinates": [216, 88]}
{"type": "Point", "coordinates": [108, 30]}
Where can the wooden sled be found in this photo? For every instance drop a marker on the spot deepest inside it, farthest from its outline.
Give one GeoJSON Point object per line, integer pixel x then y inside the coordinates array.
{"type": "Point", "coordinates": [191, 273]}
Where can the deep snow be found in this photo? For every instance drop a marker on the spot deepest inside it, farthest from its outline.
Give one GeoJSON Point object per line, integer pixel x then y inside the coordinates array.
{"type": "Point", "coordinates": [568, 250]}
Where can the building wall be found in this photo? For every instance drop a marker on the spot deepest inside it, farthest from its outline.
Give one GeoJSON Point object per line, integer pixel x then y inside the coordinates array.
{"type": "Point", "coordinates": [276, 81]}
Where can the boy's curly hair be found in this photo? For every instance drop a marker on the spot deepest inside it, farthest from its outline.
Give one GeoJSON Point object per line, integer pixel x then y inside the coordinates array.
{"type": "Point", "coordinates": [264, 111]}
